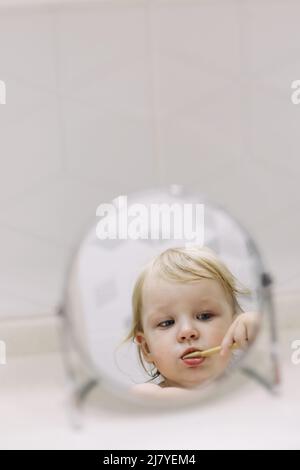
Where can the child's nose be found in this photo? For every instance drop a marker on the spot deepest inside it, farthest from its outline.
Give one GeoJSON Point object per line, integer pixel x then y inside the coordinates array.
{"type": "Point", "coordinates": [188, 333]}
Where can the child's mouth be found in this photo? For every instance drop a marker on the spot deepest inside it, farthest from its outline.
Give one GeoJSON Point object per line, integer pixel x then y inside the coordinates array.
{"type": "Point", "coordinates": [194, 361]}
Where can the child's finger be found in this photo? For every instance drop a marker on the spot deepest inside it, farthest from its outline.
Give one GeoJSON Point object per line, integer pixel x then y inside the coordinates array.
{"type": "Point", "coordinates": [252, 330]}
{"type": "Point", "coordinates": [240, 335]}
{"type": "Point", "coordinates": [227, 341]}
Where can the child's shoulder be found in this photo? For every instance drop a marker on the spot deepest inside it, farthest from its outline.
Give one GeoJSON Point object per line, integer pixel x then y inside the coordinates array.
{"type": "Point", "coordinates": [149, 389]}
{"type": "Point", "coordinates": [144, 387]}
{"type": "Point", "coordinates": [158, 390]}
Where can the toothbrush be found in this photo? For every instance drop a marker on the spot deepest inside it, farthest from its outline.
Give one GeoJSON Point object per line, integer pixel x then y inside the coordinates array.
{"type": "Point", "coordinates": [208, 352]}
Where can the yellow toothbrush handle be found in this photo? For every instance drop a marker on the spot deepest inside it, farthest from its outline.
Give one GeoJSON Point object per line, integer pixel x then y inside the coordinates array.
{"type": "Point", "coordinates": [208, 352]}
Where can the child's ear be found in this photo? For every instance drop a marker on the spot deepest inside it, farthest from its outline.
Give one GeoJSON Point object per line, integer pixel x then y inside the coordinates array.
{"type": "Point", "coordinates": [142, 343]}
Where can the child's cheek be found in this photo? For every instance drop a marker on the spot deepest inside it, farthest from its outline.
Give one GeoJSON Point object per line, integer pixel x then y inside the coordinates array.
{"type": "Point", "coordinates": [216, 334]}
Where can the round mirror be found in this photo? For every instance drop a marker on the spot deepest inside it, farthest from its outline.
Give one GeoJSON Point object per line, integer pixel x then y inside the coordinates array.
{"type": "Point", "coordinates": [164, 297]}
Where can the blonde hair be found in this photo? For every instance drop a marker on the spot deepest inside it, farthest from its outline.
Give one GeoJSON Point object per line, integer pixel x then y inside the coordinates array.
{"type": "Point", "coordinates": [183, 264]}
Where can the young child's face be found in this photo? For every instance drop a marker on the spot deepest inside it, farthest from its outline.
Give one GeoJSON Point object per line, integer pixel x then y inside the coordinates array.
{"type": "Point", "coordinates": [177, 316]}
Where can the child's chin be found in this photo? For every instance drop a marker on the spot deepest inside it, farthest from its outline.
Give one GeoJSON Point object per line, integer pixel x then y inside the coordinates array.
{"type": "Point", "coordinates": [197, 383]}
{"type": "Point", "coordinates": [209, 376]}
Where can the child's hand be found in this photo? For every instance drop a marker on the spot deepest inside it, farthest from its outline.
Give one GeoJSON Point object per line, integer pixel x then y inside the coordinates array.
{"type": "Point", "coordinates": [242, 331]}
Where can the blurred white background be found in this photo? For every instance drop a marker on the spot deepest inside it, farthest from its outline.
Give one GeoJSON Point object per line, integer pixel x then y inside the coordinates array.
{"type": "Point", "coordinates": [111, 96]}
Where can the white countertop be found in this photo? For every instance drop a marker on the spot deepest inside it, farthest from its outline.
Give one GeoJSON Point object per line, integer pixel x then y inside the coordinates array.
{"type": "Point", "coordinates": [33, 415]}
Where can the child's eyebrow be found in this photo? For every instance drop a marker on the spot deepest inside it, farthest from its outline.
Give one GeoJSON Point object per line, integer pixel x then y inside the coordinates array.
{"type": "Point", "coordinates": [158, 311]}
{"type": "Point", "coordinates": [209, 301]}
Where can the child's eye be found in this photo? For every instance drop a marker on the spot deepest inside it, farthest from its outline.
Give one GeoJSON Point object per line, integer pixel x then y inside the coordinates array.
{"type": "Point", "coordinates": [206, 316]}
{"type": "Point", "coordinates": [163, 323]}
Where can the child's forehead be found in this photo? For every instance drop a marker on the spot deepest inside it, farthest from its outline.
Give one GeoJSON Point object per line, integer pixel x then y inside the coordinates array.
{"type": "Point", "coordinates": [159, 290]}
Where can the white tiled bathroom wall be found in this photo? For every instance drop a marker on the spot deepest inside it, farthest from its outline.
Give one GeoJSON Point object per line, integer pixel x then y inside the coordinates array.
{"type": "Point", "coordinates": [107, 97]}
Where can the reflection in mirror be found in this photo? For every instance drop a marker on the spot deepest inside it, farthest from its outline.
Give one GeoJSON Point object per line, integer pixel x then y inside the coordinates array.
{"type": "Point", "coordinates": [187, 321]}
{"type": "Point", "coordinates": [161, 316]}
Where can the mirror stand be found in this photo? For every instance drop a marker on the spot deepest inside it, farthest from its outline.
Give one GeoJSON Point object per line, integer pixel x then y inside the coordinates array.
{"type": "Point", "coordinates": [80, 379]}
{"type": "Point", "coordinates": [272, 382]}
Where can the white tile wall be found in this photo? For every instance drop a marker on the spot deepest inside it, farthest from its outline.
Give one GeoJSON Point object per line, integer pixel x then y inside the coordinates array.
{"type": "Point", "coordinates": [113, 96]}
{"type": "Point", "coordinates": [32, 270]}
